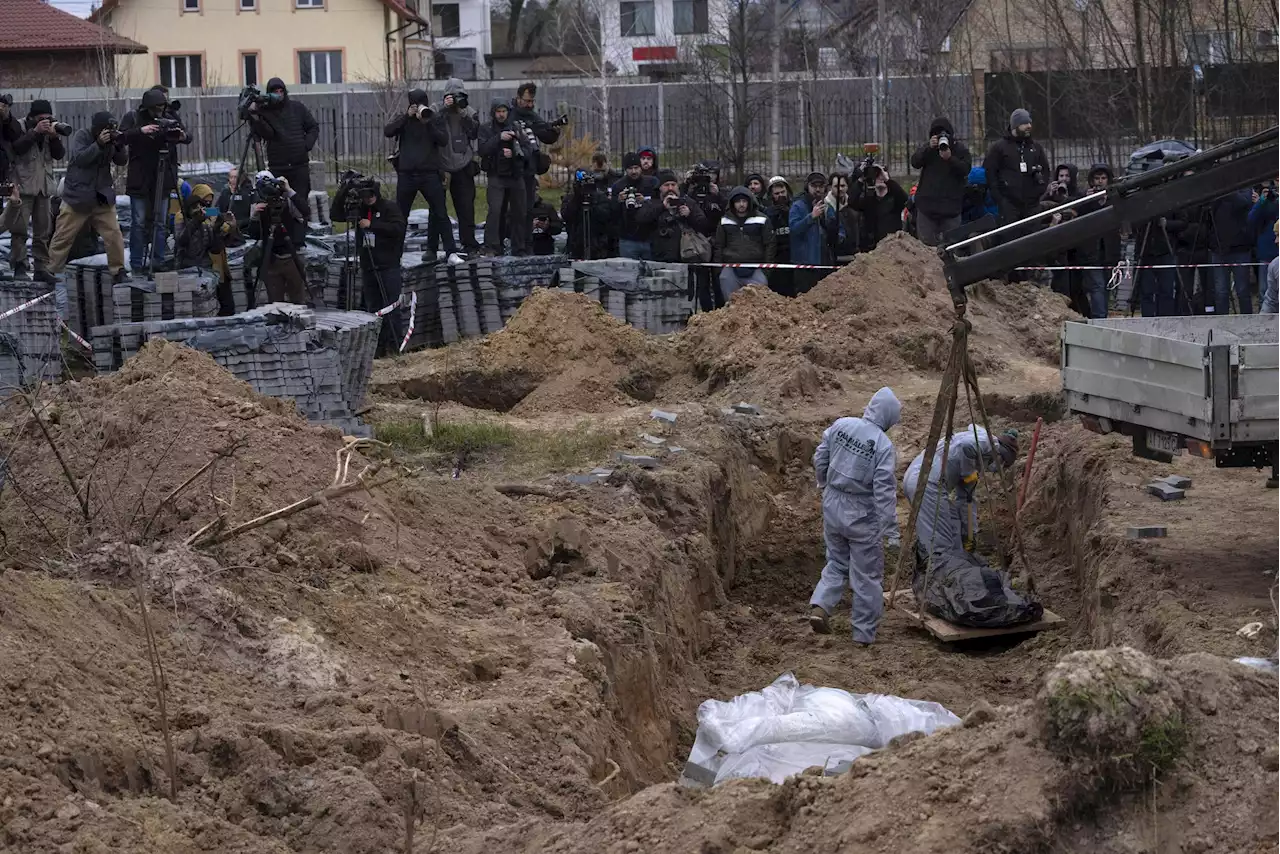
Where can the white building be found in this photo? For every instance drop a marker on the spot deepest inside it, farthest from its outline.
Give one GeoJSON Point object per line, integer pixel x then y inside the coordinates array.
{"type": "Point", "coordinates": [649, 36]}
{"type": "Point", "coordinates": [461, 36]}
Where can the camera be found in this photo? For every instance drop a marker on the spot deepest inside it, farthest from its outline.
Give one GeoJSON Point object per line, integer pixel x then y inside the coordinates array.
{"type": "Point", "coordinates": [584, 181]}
{"type": "Point", "coordinates": [671, 202]}
{"type": "Point", "coordinates": [460, 101]}
{"type": "Point", "coordinates": [700, 180]}
{"type": "Point", "coordinates": [251, 95]}
{"type": "Point", "coordinates": [60, 128]}
{"type": "Point", "coordinates": [561, 121]}
{"type": "Point", "coordinates": [170, 127]}
{"type": "Point", "coordinates": [631, 198]}
{"type": "Point", "coordinates": [6, 190]}
{"type": "Point", "coordinates": [944, 142]}
{"type": "Point", "coordinates": [269, 190]}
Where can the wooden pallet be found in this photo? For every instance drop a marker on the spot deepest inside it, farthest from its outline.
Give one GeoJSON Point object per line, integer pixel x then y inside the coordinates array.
{"type": "Point", "coordinates": [950, 632]}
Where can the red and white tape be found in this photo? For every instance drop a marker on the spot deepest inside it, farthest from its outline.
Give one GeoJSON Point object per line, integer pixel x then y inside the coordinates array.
{"type": "Point", "coordinates": [26, 305]}
{"type": "Point", "coordinates": [770, 266]}
{"type": "Point", "coordinates": [413, 310]}
{"type": "Point", "coordinates": [1141, 267]}
{"type": "Point", "coordinates": [74, 337]}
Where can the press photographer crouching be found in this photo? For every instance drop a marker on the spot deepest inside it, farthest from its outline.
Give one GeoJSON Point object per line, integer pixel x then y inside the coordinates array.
{"type": "Point", "coordinates": [590, 218]}
{"type": "Point", "coordinates": [89, 196]}
{"type": "Point", "coordinates": [380, 229]}
{"type": "Point", "coordinates": [273, 219]}
{"type": "Point", "coordinates": [668, 216]}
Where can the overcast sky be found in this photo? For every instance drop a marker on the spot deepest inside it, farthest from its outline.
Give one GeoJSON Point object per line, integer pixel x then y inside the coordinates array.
{"type": "Point", "coordinates": [75, 7]}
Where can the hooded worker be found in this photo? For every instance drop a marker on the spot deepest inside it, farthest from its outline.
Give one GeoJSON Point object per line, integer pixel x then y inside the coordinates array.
{"type": "Point", "coordinates": [947, 522]}
{"type": "Point", "coordinates": [855, 467]}
{"type": "Point", "coordinates": [290, 132]}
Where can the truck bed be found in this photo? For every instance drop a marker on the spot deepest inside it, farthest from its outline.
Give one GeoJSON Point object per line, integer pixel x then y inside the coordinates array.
{"type": "Point", "coordinates": [1209, 378]}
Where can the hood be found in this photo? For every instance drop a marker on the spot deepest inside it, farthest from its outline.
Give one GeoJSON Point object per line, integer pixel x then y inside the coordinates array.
{"type": "Point", "coordinates": [277, 83]}
{"type": "Point", "coordinates": [1102, 169]}
{"type": "Point", "coordinates": [199, 191]}
{"type": "Point", "coordinates": [884, 410]}
{"type": "Point", "coordinates": [978, 176]}
{"type": "Point", "coordinates": [419, 96]}
{"type": "Point", "coordinates": [495, 104]}
{"type": "Point", "coordinates": [152, 98]}
{"type": "Point", "coordinates": [454, 86]}
{"type": "Point", "coordinates": [651, 151]}
{"type": "Point", "coordinates": [1072, 170]}
{"type": "Point", "coordinates": [100, 122]}
{"type": "Point", "coordinates": [755, 176]}
{"type": "Point", "coordinates": [941, 124]}
{"type": "Point", "coordinates": [744, 193]}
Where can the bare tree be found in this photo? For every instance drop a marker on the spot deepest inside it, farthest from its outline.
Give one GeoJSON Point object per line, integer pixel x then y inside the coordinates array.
{"type": "Point", "coordinates": [581, 41]}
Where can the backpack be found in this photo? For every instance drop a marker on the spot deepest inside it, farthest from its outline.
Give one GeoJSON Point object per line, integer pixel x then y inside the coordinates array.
{"type": "Point", "coordinates": [695, 247]}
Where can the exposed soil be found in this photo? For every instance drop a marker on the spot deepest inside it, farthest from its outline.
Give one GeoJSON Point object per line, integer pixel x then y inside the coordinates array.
{"type": "Point", "coordinates": [519, 669]}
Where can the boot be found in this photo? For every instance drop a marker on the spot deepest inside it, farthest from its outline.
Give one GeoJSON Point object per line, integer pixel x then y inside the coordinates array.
{"type": "Point", "coordinates": [20, 273]}
{"type": "Point", "coordinates": [121, 277]}
{"type": "Point", "coordinates": [819, 621]}
{"type": "Point", "coordinates": [45, 277]}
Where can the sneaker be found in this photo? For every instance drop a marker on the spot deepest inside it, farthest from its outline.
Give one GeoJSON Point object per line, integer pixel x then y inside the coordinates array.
{"type": "Point", "coordinates": [455, 259]}
{"type": "Point", "coordinates": [818, 620]}
{"type": "Point", "coordinates": [121, 277]}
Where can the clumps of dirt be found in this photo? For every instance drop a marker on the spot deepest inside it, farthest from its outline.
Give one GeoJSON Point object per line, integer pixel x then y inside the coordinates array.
{"type": "Point", "coordinates": [1019, 778]}
{"type": "Point", "coordinates": [559, 352]}
{"type": "Point", "coordinates": [888, 310]}
{"type": "Point", "coordinates": [166, 445]}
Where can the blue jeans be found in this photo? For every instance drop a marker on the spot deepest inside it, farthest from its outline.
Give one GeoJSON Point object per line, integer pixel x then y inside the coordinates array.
{"type": "Point", "coordinates": [637, 250]}
{"type": "Point", "coordinates": [137, 233]}
{"type": "Point", "coordinates": [1095, 290]}
{"type": "Point", "coordinates": [1224, 276]}
{"type": "Point", "coordinates": [1158, 288]}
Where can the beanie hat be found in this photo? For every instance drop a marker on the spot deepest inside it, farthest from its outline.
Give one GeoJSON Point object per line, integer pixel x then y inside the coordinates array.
{"type": "Point", "coordinates": [40, 107]}
{"type": "Point", "coordinates": [100, 122]}
{"type": "Point", "coordinates": [815, 178]}
{"type": "Point", "coordinates": [1018, 118]}
{"type": "Point", "coordinates": [419, 96]}
{"type": "Point", "coordinates": [630, 159]}
{"type": "Point", "coordinates": [666, 176]}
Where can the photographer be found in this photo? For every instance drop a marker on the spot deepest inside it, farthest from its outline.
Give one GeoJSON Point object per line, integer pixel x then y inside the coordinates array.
{"type": "Point", "coordinates": [631, 193]}
{"type": "Point", "coordinates": [743, 236]}
{"type": "Point", "coordinates": [841, 221]}
{"type": "Point", "coordinates": [702, 185]}
{"type": "Point", "coordinates": [273, 219]}
{"type": "Point", "coordinates": [1062, 189]}
{"type": "Point", "coordinates": [1101, 252]}
{"type": "Point", "coordinates": [459, 126]}
{"type": "Point", "coordinates": [504, 160]}
{"type": "Point", "coordinates": [880, 201]}
{"type": "Point", "coordinates": [34, 153]}
{"type": "Point", "coordinates": [290, 132]}
{"type": "Point", "coordinates": [547, 133]}
{"type": "Point", "coordinates": [545, 225]}
{"type": "Point", "coordinates": [147, 132]}
{"type": "Point", "coordinates": [590, 218]}
{"type": "Point", "coordinates": [1016, 169]}
{"type": "Point", "coordinates": [199, 242]}
{"type": "Point", "coordinates": [778, 210]}
{"type": "Point", "coordinates": [89, 196]}
{"type": "Point", "coordinates": [380, 230]}
{"type": "Point", "coordinates": [418, 170]}
{"type": "Point", "coordinates": [944, 164]}
{"type": "Point", "coordinates": [667, 216]}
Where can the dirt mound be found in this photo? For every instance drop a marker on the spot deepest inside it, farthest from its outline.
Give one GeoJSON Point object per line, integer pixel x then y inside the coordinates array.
{"type": "Point", "coordinates": [888, 310]}
{"type": "Point", "coordinates": [994, 784]}
{"type": "Point", "coordinates": [589, 359]}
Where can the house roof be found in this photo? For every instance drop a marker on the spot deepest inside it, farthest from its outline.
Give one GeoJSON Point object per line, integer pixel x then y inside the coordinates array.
{"type": "Point", "coordinates": [399, 7]}
{"type": "Point", "coordinates": [36, 25]}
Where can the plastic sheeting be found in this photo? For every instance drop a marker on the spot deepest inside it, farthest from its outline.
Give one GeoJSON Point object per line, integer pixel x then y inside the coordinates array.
{"type": "Point", "coordinates": [787, 727]}
{"type": "Point", "coordinates": [965, 591]}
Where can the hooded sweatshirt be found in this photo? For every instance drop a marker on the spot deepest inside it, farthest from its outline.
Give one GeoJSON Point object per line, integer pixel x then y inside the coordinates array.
{"type": "Point", "coordinates": [940, 190]}
{"type": "Point", "coordinates": [420, 137]}
{"type": "Point", "coordinates": [195, 240]}
{"type": "Point", "coordinates": [289, 129]}
{"type": "Point", "coordinates": [88, 184]}
{"type": "Point", "coordinates": [855, 468]}
{"type": "Point", "coordinates": [746, 238]}
{"type": "Point", "coordinates": [492, 159]}
{"type": "Point", "coordinates": [459, 126]}
{"type": "Point", "coordinates": [144, 149]}
{"type": "Point", "coordinates": [652, 152]}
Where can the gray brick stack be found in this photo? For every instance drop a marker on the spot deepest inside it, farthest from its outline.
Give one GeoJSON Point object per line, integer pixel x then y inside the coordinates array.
{"type": "Point", "coordinates": [30, 341]}
{"type": "Point", "coordinates": [646, 294]}
{"type": "Point", "coordinates": [92, 300]}
{"type": "Point", "coordinates": [319, 358]}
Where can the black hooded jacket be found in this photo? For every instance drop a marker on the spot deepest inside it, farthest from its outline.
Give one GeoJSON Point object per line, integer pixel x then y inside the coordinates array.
{"type": "Point", "coordinates": [940, 190]}
{"type": "Point", "coordinates": [144, 149]}
{"type": "Point", "coordinates": [420, 138]}
{"type": "Point", "coordinates": [746, 238]}
{"type": "Point", "coordinates": [667, 226]}
{"type": "Point", "coordinates": [289, 129]}
{"type": "Point", "coordinates": [642, 190]}
{"type": "Point", "coordinates": [386, 225]}
{"type": "Point", "coordinates": [652, 152]}
{"type": "Point", "coordinates": [492, 159]}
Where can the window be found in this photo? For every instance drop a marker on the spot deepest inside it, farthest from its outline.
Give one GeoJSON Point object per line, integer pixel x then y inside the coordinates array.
{"type": "Point", "coordinates": [180, 72]}
{"type": "Point", "coordinates": [637, 18]}
{"type": "Point", "coordinates": [249, 69]}
{"type": "Point", "coordinates": [1214, 48]}
{"type": "Point", "coordinates": [445, 20]}
{"type": "Point", "coordinates": [308, 4]}
{"type": "Point", "coordinates": [191, 5]}
{"type": "Point", "coordinates": [456, 62]}
{"type": "Point", "coordinates": [690, 17]}
{"type": "Point", "coordinates": [248, 5]}
{"type": "Point", "coordinates": [319, 66]}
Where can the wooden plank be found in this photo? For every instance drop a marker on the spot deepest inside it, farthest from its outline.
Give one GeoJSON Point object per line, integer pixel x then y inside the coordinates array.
{"type": "Point", "coordinates": [950, 632]}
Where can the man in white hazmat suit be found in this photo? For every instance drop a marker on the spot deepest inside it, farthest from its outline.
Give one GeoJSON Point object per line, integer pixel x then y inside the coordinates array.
{"type": "Point", "coordinates": [949, 525]}
{"type": "Point", "coordinates": [855, 466]}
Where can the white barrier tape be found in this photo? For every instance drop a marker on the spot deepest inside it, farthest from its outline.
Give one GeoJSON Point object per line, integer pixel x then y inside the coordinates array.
{"type": "Point", "coordinates": [26, 305]}
{"type": "Point", "coordinates": [74, 337]}
{"type": "Point", "coordinates": [1142, 267]}
{"type": "Point", "coordinates": [767, 266]}
{"type": "Point", "coordinates": [413, 309]}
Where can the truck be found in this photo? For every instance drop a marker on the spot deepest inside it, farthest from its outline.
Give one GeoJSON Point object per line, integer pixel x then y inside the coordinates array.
{"type": "Point", "coordinates": [1204, 385]}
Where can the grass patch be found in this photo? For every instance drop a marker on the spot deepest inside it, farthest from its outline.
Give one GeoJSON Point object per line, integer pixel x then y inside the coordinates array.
{"type": "Point", "coordinates": [547, 450]}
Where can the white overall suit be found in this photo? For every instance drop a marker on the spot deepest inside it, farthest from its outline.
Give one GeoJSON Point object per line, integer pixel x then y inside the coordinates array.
{"type": "Point", "coordinates": [855, 466]}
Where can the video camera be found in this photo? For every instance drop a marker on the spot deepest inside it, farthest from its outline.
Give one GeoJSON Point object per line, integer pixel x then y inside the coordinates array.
{"type": "Point", "coordinates": [587, 183]}
{"type": "Point", "coordinates": [269, 190]}
{"type": "Point", "coordinates": [701, 179]}
{"type": "Point", "coordinates": [251, 95]}
{"type": "Point", "coordinates": [170, 127]}
{"type": "Point", "coordinates": [354, 184]}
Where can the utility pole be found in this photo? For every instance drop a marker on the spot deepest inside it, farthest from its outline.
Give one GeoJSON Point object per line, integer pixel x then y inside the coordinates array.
{"type": "Point", "coordinates": [880, 112]}
{"type": "Point", "coordinates": [775, 100]}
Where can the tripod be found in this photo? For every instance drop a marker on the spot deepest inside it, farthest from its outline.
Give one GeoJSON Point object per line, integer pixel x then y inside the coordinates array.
{"type": "Point", "coordinates": [268, 223]}
{"type": "Point", "coordinates": [160, 196]}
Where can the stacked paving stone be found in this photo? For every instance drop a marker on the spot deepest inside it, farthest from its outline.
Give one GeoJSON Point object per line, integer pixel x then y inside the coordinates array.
{"type": "Point", "coordinates": [647, 295]}
{"type": "Point", "coordinates": [30, 340]}
{"type": "Point", "coordinates": [319, 358]}
{"type": "Point", "coordinates": [92, 299]}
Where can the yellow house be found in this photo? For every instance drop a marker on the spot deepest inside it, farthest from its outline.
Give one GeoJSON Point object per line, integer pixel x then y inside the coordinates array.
{"type": "Point", "coordinates": [215, 43]}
